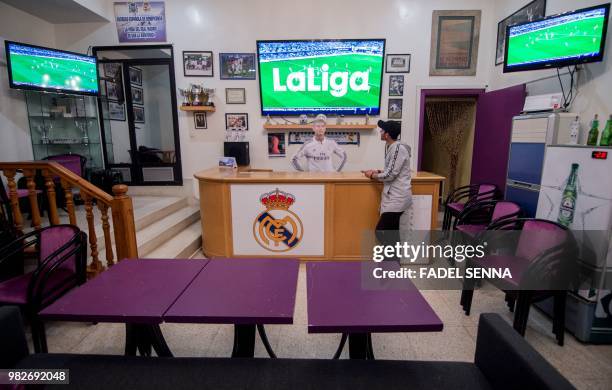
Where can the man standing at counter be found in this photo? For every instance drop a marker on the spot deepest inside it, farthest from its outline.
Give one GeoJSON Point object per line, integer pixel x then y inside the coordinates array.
{"type": "Point", "coordinates": [397, 192]}
{"type": "Point", "coordinates": [319, 150]}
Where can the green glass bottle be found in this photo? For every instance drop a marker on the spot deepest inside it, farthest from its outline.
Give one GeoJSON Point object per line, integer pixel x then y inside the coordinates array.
{"type": "Point", "coordinates": [568, 199]}
{"type": "Point", "coordinates": [594, 132]}
{"type": "Point", "coordinates": [606, 136]}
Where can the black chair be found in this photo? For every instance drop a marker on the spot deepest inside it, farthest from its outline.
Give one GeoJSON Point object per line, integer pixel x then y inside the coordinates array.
{"type": "Point", "coordinates": [464, 197]}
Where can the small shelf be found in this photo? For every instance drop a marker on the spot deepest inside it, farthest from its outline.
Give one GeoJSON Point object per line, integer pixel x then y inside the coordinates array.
{"type": "Point", "coordinates": [66, 143]}
{"type": "Point", "coordinates": [309, 127]}
{"type": "Point", "coordinates": [198, 108]}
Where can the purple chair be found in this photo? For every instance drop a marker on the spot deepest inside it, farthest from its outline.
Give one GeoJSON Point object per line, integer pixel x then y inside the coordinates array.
{"type": "Point", "coordinates": [464, 197]}
{"type": "Point", "coordinates": [62, 253]}
{"type": "Point", "coordinates": [74, 162]}
{"type": "Point", "coordinates": [24, 203]}
{"type": "Point", "coordinates": [542, 263]}
{"type": "Point", "coordinates": [475, 218]}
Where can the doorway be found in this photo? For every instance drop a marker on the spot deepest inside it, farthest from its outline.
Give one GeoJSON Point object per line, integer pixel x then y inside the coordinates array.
{"type": "Point", "coordinates": [139, 111]}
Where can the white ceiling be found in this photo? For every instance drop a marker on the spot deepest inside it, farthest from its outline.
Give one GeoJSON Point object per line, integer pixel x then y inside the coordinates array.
{"type": "Point", "coordinates": [57, 11]}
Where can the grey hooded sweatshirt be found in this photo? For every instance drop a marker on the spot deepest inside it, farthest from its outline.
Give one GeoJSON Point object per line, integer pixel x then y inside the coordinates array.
{"type": "Point", "coordinates": [397, 189]}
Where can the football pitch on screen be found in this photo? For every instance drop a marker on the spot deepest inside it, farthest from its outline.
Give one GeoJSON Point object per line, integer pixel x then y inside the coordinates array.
{"type": "Point", "coordinates": [53, 72]}
{"type": "Point", "coordinates": [313, 99]}
{"type": "Point", "coordinates": [565, 40]}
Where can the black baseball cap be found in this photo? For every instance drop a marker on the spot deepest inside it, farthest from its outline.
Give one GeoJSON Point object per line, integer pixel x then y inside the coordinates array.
{"type": "Point", "coordinates": [393, 128]}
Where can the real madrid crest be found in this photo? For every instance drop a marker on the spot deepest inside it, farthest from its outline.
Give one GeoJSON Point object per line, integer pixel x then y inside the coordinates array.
{"type": "Point", "coordinates": [278, 229]}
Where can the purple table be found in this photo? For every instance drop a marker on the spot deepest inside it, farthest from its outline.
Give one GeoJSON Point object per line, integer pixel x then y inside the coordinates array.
{"type": "Point", "coordinates": [134, 292]}
{"type": "Point", "coordinates": [245, 292]}
{"type": "Point", "coordinates": [338, 302]}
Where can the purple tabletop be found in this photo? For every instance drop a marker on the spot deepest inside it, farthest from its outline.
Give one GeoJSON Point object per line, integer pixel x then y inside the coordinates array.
{"type": "Point", "coordinates": [131, 291]}
{"type": "Point", "coordinates": [338, 302]}
{"type": "Point", "coordinates": [239, 291]}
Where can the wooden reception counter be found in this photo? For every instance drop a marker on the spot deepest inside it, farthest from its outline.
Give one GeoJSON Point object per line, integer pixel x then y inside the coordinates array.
{"type": "Point", "coordinates": [316, 216]}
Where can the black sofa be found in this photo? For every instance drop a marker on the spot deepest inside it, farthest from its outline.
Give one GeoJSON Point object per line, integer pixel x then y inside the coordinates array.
{"type": "Point", "coordinates": [503, 360]}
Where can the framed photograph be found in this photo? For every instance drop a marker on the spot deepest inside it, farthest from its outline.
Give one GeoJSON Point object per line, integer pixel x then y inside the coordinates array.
{"type": "Point", "coordinates": [116, 111]}
{"type": "Point", "coordinates": [276, 145]}
{"type": "Point", "coordinates": [237, 66]}
{"type": "Point", "coordinates": [398, 63]}
{"type": "Point", "coordinates": [198, 64]}
{"type": "Point", "coordinates": [396, 85]}
{"type": "Point", "coordinates": [113, 91]}
{"type": "Point", "coordinates": [137, 96]}
{"type": "Point", "coordinates": [530, 12]}
{"type": "Point", "coordinates": [237, 122]}
{"type": "Point", "coordinates": [235, 95]}
{"type": "Point", "coordinates": [395, 109]}
{"type": "Point", "coordinates": [454, 43]}
{"type": "Point", "coordinates": [135, 76]}
{"type": "Point", "coordinates": [199, 119]}
{"type": "Point", "coordinates": [139, 114]}
{"type": "Point", "coordinates": [112, 69]}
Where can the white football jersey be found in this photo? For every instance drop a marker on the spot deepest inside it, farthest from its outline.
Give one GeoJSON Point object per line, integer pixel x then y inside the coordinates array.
{"type": "Point", "coordinates": [318, 156]}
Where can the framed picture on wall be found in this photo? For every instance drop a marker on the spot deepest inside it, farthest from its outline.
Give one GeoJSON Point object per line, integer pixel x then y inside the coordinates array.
{"type": "Point", "coordinates": [235, 95]}
{"type": "Point", "coordinates": [135, 76]}
{"type": "Point", "coordinates": [395, 109]}
{"type": "Point", "coordinates": [398, 63]}
{"type": "Point", "coordinates": [237, 66]}
{"type": "Point", "coordinates": [276, 145]}
{"type": "Point", "coordinates": [237, 122]}
{"type": "Point", "coordinates": [113, 91]}
{"type": "Point", "coordinates": [137, 95]}
{"type": "Point", "coordinates": [112, 69]}
{"type": "Point", "coordinates": [139, 114]}
{"type": "Point", "coordinates": [454, 43]}
{"type": "Point", "coordinates": [116, 111]}
{"type": "Point", "coordinates": [199, 119]}
{"type": "Point", "coordinates": [198, 64]}
{"type": "Point", "coordinates": [396, 85]}
{"type": "Point", "coordinates": [532, 11]}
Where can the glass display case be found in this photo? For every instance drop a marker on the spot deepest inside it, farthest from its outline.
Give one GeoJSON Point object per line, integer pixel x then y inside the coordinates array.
{"type": "Point", "coordinates": [63, 124]}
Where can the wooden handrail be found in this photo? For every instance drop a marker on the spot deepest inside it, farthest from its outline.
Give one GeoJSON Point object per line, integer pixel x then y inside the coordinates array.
{"type": "Point", "coordinates": [120, 205]}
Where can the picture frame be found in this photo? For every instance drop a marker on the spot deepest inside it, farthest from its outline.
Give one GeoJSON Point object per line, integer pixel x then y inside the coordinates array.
{"type": "Point", "coordinates": [394, 108]}
{"type": "Point", "coordinates": [111, 68]}
{"type": "Point", "coordinates": [454, 42]}
{"type": "Point", "coordinates": [139, 114]}
{"type": "Point", "coordinates": [137, 95]}
{"type": "Point", "coordinates": [397, 63]}
{"type": "Point", "coordinates": [237, 66]}
{"type": "Point", "coordinates": [529, 12]}
{"type": "Point", "coordinates": [135, 76]}
{"type": "Point", "coordinates": [116, 111]}
{"type": "Point", "coordinates": [276, 145]}
{"type": "Point", "coordinates": [199, 120]}
{"type": "Point", "coordinates": [234, 121]}
{"type": "Point", "coordinates": [198, 64]}
{"type": "Point", "coordinates": [396, 85]}
{"type": "Point", "coordinates": [235, 95]}
{"type": "Point", "coordinates": [113, 91]}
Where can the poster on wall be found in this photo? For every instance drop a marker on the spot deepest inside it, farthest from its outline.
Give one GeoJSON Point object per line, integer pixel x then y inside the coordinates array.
{"type": "Point", "coordinates": [140, 21]}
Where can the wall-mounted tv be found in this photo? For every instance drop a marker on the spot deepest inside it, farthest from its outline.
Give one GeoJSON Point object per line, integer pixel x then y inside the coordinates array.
{"type": "Point", "coordinates": [340, 76]}
{"type": "Point", "coordinates": [49, 70]}
{"type": "Point", "coordinates": [570, 38]}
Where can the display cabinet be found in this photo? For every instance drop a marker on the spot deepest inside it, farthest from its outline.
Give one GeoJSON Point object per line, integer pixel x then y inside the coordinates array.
{"type": "Point", "coordinates": [63, 124]}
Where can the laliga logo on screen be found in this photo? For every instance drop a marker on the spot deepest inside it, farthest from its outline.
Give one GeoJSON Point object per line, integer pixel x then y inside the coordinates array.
{"type": "Point", "coordinates": [277, 229]}
{"type": "Point", "coordinates": [338, 81]}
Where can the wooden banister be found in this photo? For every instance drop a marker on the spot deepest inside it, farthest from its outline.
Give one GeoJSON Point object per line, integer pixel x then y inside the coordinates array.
{"type": "Point", "coordinates": [120, 205]}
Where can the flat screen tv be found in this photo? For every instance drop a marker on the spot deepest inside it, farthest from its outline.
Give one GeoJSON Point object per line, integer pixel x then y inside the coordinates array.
{"type": "Point", "coordinates": [570, 38]}
{"type": "Point", "coordinates": [340, 76]}
{"type": "Point", "coordinates": [49, 70]}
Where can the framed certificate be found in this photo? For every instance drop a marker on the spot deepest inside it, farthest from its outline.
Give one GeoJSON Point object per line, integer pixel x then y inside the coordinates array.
{"type": "Point", "coordinates": [235, 96]}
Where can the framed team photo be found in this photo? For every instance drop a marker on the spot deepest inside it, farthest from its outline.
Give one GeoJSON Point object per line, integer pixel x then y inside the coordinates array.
{"type": "Point", "coordinates": [398, 63]}
{"type": "Point", "coordinates": [198, 64]}
{"type": "Point", "coordinates": [116, 111]}
{"type": "Point", "coordinates": [237, 66]}
{"type": "Point", "coordinates": [113, 91]}
{"type": "Point", "coordinates": [137, 95]}
{"type": "Point", "coordinates": [135, 76]}
{"type": "Point", "coordinates": [237, 122]}
{"type": "Point", "coordinates": [395, 109]}
{"type": "Point", "coordinates": [396, 85]}
{"type": "Point", "coordinates": [139, 114]}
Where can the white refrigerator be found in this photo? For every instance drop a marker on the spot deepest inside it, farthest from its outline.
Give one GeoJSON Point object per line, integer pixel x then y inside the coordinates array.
{"type": "Point", "coordinates": [576, 191]}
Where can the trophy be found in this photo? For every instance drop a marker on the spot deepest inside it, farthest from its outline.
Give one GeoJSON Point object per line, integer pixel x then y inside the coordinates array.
{"type": "Point", "coordinates": [207, 94]}
{"type": "Point", "coordinates": [187, 96]}
{"type": "Point", "coordinates": [46, 131]}
{"type": "Point", "coordinates": [196, 91]}
{"type": "Point", "coordinates": [83, 127]}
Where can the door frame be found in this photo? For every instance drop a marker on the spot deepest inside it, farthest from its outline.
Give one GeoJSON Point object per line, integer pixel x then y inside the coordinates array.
{"type": "Point", "coordinates": [177, 166]}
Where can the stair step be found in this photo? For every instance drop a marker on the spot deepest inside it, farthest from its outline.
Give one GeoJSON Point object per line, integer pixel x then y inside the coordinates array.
{"type": "Point", "coordinates": [165, 229]}
{"type": "Point", "coordinates": [181, 246]}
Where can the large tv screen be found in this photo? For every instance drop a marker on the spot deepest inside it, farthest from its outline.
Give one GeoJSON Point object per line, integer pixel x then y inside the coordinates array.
{"type": "Point", "coordinates": [341, 77]}
{"type": "Point", "coordinates": [43, 69]}
{"type": "Point", "coordinates": [567, 39]}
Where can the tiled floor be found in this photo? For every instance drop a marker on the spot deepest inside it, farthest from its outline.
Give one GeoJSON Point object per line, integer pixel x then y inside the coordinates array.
{"type": "Point", "coordinates": [586, 366]}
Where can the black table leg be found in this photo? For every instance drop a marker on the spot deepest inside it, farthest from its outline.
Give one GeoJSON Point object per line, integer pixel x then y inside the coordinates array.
{"type": "Point", "coordinates": [244, 341]}
{"type": "Point", "coordinates": [360, 346]}
{"type": "Point", "coordinates": [143, 338]}
{"type": "Point", "coordinates": [264, 339]}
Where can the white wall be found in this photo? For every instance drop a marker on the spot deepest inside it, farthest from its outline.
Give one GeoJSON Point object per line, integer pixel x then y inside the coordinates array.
{"type": "Point", "coordinates": [234, 26]}
{"type": "Point", "coordinates": [594, 80]}
{"type": "Point", "coordinates": [16, 25]}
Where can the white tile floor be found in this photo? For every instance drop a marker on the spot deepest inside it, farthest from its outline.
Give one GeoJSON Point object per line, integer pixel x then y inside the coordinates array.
{"type": "Point", "coordinates": [586, 366]}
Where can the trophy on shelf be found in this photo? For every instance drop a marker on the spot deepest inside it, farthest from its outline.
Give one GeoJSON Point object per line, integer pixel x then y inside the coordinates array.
{"type": "Point", "coordinates": [46, 131]}
{"type": "Point", "coordinates": [187, 96]}
{"type": "Point", "coordinates": [207, 94]}
{"type": "Point", "coordinates": [196, 92]}
{"type": "Point", "coordinates": [83, 127]}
